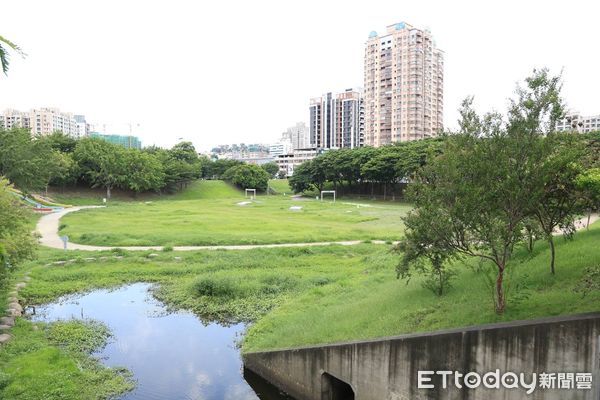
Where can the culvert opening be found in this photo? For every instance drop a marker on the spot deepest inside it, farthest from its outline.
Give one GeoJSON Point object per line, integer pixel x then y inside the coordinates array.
{"type": "Point", "coordinates": [335, 389]}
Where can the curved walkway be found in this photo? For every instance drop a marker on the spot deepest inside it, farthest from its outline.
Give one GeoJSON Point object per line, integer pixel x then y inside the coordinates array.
{"type": "Point", "coordinates": [48, 225]}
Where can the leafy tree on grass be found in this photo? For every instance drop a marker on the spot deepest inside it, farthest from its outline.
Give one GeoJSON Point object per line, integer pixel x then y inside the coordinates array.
{"type": "Point", "coordinates": [248, 176]}
{"type": "Point", "coordinates": [144, 171]}
{"type": "Point", "coordinates": [555, 198]}
{"type": "Point", "coordinates": [423, 252]}
{"type": "Point", "coordinates": [588, 182]}
{"type": "Point", "coordinates": [271, 168]}
{"type": "Point", "coordinates": [378, 168]}
{"type": "Point", "coordinates": [27, 162]}
{"type": "Point", "coordinates": [474, 192]}
{"type": "Point", "coordinates": [301, 180]}
{"type": "Point", "coordinates": [102, 163]}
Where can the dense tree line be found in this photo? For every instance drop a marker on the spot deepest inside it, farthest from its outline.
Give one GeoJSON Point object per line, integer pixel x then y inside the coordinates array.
{"type": "Point", "coordinates": [498, 183]}
{"type": "Point", "coordinates": [349, 167]}
{"type": "Point", "coordinates": [34, 162]}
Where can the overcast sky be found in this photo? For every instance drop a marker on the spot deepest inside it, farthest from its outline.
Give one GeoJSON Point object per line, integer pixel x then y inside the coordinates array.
{"type": "Point", "coordinates": [222, 72]}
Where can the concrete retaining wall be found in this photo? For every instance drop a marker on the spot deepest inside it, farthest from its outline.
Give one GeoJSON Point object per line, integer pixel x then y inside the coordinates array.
{"type": "Point", "coordinates": [388, 368]}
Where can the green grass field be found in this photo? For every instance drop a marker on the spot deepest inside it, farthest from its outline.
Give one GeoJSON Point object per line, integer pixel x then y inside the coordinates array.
{"type": "Point", "coordinates": [209, 213]}
{"type": "Point", "coordinates": [377, 305]}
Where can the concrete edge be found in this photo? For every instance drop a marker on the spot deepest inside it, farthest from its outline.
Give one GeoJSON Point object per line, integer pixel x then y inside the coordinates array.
{"type": "Point", "coordinates": [470, 328]}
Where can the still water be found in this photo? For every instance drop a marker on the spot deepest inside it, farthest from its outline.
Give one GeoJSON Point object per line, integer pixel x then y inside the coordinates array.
{"type": "Point", "coordinates": [171, 355]}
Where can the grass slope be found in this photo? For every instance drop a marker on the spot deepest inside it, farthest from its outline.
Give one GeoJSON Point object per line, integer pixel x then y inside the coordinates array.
{"type": "Point", "coordinates": [378, 305]}
{"type": "Point", "coordinates": [280, 186]}
{"type": "Point", "coordinates": [207, 213]}
{"type": "Point", "coordinates": [207, 190]}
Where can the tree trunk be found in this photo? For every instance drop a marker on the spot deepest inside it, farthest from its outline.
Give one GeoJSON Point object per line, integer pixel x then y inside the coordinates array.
{"type": "Point", "coordinates": [588, 221]}
{"type": "Point", "coordinates": [108, 193]}
{"type": "Point", "coordinates": [384, 190]}
{"type": "Point", "coordinates": [500, 301]}
{"type": "Point", "coordinates": [552, 253]}
{"type": "Point", "coordinates": [531, 241]}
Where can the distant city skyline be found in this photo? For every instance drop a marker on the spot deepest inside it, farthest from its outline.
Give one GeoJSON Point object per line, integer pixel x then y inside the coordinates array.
{"type": "Point", "coordinates": [110, 63]}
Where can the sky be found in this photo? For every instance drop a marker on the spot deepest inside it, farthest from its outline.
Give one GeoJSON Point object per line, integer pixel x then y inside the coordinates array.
{"type": "Point", "coordinates": [223, 72]}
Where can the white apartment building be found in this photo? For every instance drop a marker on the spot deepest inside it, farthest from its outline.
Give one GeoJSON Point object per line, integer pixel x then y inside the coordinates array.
{"type": "Point", "coordinates": [279, 148]}
{"type": "Point", "coordinates": [83, 128]}
{"type": "Point", "coordinates": [574, 121]}
{"type": "Point", "coordinates": [403, 86]}
{"type": "Point", "coordinates": [43, 121]}
{"type": "Point", "coordinates": [336, 120]}
{"type": "Point", "coordinates": [298, 135]}
{"type": "Point", "coordinates": [288, 161]}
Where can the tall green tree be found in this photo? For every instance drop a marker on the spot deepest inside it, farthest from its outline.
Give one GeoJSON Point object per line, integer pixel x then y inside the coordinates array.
{"type": "Point", "coordinates": [272, 168]}
{"type": "Point", "coordinates": [101, 163]}
{"type": "Point", "coordinates": [588, 182]}
{"type": "Point", "coordinates": [27, 162]}
{"type": "Point", "coordinates": [555, 198]}
{"type": "Point", "coordinates": [248, 176]}
{"type": "Point", "coordinates": [143, 171]}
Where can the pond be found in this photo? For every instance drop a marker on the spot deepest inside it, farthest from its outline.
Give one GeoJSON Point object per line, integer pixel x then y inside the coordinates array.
{"type": "Point", "coordinates": [172, 355]}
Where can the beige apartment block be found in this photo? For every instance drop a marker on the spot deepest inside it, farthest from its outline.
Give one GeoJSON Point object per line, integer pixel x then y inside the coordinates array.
{"type": "Point", "coordinates": [14, 119]}
{"type": "Point", "coordinates": [44, 121]}
{"type": "Point", "coordinates": [403, 86]}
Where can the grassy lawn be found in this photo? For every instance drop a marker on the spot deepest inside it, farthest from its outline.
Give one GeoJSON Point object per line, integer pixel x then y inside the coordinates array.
{"type": "Point", "coordinates": [208, 213]}
{"type": "Point", "coordinates": [376, 305]}
{"type": "Point", "coordinates": [280, 186]}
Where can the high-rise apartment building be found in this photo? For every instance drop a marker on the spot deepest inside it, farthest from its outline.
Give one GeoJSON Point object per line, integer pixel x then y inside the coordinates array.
{"type": "Point", "coordinates": [43, 121]}
{"type": "Point", "coordinates": [403, 86]}
{"type": "Point", "coordinates": [336, 120]}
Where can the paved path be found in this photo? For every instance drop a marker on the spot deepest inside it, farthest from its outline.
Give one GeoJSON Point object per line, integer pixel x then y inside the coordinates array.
{"type": "Point", "coordinates": [48, 225]}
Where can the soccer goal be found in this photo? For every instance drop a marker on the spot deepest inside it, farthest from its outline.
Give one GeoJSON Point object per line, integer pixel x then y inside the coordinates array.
{"type": "Point", "coordinates": [328, 192]}
{"type": "Point", "coordinates": [253, 193]}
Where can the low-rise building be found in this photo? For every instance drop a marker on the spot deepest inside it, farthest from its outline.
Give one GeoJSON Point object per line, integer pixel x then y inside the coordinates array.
{"type": "Point", "coordinates": [287, 162]}
{"type": "Point", "coordinates": [574, 121]}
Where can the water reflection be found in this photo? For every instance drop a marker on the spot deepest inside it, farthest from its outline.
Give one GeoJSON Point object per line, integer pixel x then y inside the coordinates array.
{"type": "Point", "coordinates": [172, 355]}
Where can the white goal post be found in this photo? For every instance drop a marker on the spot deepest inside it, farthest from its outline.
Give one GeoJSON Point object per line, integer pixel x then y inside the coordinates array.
{"type": "Point", "coordinates": [253, 191]}
{"type": "Point", "coordinates": [328, 192]}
